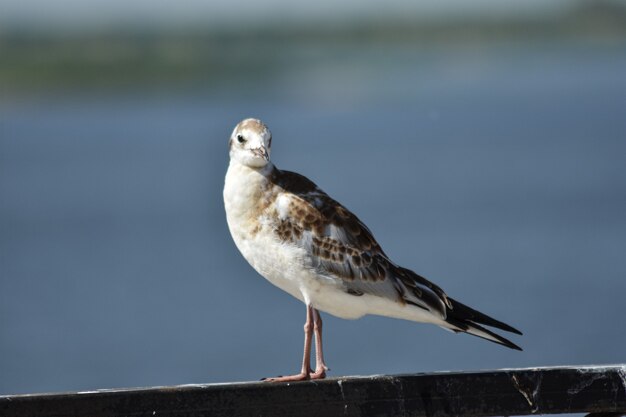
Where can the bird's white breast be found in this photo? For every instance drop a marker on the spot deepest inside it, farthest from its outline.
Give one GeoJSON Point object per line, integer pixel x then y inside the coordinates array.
{"type": "Point", "coordinates": [249, 204]}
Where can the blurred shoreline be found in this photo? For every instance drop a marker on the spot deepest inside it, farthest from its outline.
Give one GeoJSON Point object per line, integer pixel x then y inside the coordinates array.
{"type": "Point", "coordinates": [118, 59]}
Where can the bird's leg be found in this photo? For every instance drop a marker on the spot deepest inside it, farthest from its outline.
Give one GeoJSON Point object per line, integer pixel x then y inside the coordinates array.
{"type": "Point", "coordinates": [306, 359]}
{"type": "Point", "coordinates": [320, 366]}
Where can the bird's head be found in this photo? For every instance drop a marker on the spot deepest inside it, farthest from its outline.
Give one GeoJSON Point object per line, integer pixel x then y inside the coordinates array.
{"type": "Point", "coordinates": [250, 143]}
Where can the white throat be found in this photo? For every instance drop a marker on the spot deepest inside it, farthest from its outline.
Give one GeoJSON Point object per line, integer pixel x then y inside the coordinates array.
{"type": "Point", "coordinates": [244, 190]}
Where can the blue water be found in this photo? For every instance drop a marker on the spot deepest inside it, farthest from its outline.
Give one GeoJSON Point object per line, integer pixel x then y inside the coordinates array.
{"type": "Point", "coordinates": [498, 173]}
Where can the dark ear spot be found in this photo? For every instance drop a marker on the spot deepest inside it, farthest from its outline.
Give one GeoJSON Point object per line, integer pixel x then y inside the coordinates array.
{"type": "Point", "coordinates": [269, 142]}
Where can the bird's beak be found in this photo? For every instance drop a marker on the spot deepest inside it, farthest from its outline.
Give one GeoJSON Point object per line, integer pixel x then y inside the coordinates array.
{"type": "Point", "coordinates": [261, 152]}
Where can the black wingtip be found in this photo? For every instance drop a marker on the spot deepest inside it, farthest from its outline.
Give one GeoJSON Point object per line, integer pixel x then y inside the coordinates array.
{"type": "Point", "coordinates": [507, 343]}
{"type": "Point", "coordinates": [504, 342]}
{"type": "Point", "coordinates": [476, 330]}
{"type": "Point", "coordinates": [507, 328]}
{"type": "Point", "coordinates": [464, 313]}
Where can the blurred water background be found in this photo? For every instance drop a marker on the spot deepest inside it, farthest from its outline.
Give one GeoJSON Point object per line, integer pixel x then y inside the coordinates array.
{"type": "Point", "coordinates": [485, 151]}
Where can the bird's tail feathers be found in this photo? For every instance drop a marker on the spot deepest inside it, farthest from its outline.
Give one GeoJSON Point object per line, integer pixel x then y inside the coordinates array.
{"type": "Point", "coordinates": [461, 318]}
{"type": "Point", "coordinates": [460, 311]}
{"type": "Point", "coordinates": [474, 329]}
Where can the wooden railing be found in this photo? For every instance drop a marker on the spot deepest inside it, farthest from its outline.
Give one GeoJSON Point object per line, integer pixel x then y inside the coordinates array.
{"type": "Point", "coordinates": [597, 390]}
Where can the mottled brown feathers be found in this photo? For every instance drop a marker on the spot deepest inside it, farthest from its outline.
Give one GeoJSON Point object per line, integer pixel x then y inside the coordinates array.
{"type": "Point", "coordinates": [342, 243]}
{"type": "Point", "coordinates": [342, 246]}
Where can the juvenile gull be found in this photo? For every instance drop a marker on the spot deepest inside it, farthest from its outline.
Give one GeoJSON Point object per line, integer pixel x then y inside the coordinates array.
{"type": "Point", "coordinates": [309, 245]}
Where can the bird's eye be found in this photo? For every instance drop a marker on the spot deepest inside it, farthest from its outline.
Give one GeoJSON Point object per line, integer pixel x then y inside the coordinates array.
{"type": "Point", "coordinates": [241, 139]}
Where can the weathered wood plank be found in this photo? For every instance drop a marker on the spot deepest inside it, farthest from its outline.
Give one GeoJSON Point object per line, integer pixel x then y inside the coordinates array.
{"type": "Point", "coordinates": [487, 393]}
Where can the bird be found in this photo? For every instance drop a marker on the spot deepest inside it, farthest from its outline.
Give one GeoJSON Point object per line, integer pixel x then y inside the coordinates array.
{"type": "Point", "coordinates": [311, 246]}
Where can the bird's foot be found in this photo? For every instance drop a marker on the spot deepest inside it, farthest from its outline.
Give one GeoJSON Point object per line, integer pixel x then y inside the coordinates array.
{"type": "Point", "coordinates": [302, 376]}
{"type": "Point", "coordinates": [319, 373]}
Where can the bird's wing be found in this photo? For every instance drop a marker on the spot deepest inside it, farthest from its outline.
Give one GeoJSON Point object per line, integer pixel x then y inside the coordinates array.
{"type": "Point", "coordinates": [339, 245]}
